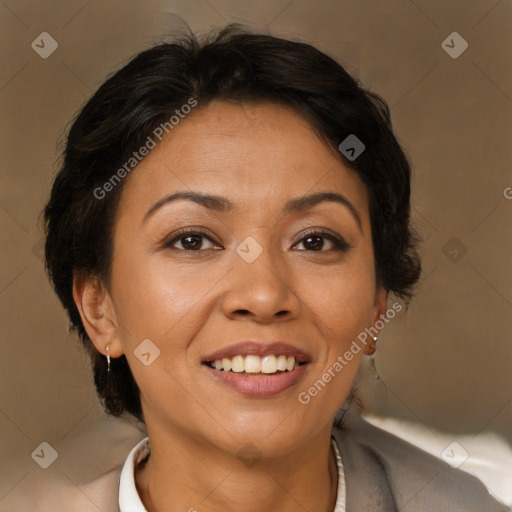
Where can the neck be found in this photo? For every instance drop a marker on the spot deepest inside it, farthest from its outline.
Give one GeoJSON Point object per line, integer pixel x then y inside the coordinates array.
{"type": "Point", "coordinates": [190, 476]}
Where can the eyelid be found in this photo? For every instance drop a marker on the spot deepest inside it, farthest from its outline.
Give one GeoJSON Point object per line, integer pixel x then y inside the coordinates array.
{"type": "Point", "coordinates": [339, 242]}
{"type": "Point", "coordinates": [190, 230]}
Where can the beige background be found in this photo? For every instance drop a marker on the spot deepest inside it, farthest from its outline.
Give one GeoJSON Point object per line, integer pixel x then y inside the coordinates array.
{"type": "Point", "coordinates": [445, 364]}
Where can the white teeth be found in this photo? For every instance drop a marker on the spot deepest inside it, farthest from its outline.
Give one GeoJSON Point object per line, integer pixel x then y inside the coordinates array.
{"type": "Point", "coordinates": [237, 364]}
{"type": "Point", "coordinates": [253, 364]}
{"type": "Point", "coordinates": [281, 363]}
{"type": "Point", "coordinates": [269, 364]}
{"type": "Point", "coordinates": [256, 364]}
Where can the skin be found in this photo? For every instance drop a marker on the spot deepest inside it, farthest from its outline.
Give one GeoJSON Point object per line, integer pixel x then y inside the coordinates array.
{"type": "Point", "coordinates": [193, 302]}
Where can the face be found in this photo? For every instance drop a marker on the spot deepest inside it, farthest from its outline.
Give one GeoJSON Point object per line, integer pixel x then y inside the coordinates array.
{"type": "Point", "coordinates": [242, 239]}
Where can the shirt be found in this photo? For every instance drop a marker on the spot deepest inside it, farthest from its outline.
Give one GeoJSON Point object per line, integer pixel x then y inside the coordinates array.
{"type": "Point", "coordinates": [129, 499]}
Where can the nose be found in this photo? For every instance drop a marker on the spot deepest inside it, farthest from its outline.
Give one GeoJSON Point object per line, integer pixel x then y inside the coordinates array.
{"type": "Point", "coordinates": [260, 291]}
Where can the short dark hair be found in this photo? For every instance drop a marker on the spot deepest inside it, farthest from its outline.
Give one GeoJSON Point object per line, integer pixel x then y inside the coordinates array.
{"type": "Point", "coordinates": [228, 64]}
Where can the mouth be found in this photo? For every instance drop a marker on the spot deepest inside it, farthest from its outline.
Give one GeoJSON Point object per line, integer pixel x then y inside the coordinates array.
{"type": "Point", "coordinates": [258, 370]}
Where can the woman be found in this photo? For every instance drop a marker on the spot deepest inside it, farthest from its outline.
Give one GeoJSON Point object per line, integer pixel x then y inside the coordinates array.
{"type": "Point", "coordinates": [227, 224]}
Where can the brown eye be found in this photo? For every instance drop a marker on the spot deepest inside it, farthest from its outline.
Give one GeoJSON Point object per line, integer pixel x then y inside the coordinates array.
{"type": "Point", "coordinates": [321, 242]}
{"type": "Point", "coordinates": [191, 241]}
{"type": "Point", "coordinates": [314, 243]}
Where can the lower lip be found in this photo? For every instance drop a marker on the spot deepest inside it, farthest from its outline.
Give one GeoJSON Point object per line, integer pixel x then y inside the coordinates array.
{"type": "Point", "coordinates": [259, 386]}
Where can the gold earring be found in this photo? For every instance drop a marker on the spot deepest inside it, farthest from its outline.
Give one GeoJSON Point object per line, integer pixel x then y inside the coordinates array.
{"type": "Point", "coordinates": [372, 362]}
{"type": "Point", "coordinates": [108, 357]}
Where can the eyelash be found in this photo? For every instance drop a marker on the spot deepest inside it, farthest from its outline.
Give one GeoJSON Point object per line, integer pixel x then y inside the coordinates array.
{"type": "Point", "coordinates": [184, 232]}
{"type": "Point", "coordinates": [339, 243]}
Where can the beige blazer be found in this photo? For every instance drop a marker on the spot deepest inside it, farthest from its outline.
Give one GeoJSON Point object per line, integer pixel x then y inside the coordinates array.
{"type": "Point", "coordinates": [386, 474]}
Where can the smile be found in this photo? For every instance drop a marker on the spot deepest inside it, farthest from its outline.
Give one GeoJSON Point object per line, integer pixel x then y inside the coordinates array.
{"type": "Point", "coordinates": [256, 365]}
{"type": "Point", "coordinates": [256, 369]}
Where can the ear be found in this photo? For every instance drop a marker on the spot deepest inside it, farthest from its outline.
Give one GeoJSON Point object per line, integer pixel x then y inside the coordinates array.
{"type": "Point", "coordinates": [98, 314]}
{"type": "Point", "coordinates": [379, 311]}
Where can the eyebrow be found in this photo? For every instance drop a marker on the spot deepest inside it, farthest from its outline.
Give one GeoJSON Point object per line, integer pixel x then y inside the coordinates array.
{"type": "Point", "coordinates": [301, 204]}
{"type": "Point", "coordinates": [217, 203]}
{"type": "Point", "coordinates": [222, 205]}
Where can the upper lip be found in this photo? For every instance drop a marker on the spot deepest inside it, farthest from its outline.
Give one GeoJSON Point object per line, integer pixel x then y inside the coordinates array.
{"type": "Point", "coordinates": [247, 348]}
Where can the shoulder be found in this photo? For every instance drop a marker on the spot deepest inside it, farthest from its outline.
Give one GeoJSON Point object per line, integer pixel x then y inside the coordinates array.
{"type": "Point", "coordinates": [103, 488]}
{"type": "Point", "coordinates": [405, 477]}
{"type": "Point", "coordinates": [85, 475]}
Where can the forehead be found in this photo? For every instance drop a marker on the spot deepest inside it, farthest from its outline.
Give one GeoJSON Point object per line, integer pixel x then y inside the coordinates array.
{"type": "Point", "coordinates": [253, 153]}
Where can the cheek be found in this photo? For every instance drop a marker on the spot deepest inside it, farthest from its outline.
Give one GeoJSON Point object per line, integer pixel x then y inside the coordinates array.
{"type": "Point", "coordinates": [341, 305]}
{"type": "Point", "coordinates": [166, 304]}
{"type": "Point", "coordinates": [159, 300]}
{"type": "Point", "coordinates": [342, 300]}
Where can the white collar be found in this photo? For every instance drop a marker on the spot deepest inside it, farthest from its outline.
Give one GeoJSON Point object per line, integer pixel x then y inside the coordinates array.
{"type": "Point", "coordinates": [129, 499]}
